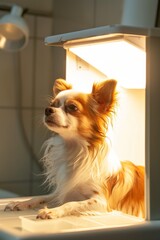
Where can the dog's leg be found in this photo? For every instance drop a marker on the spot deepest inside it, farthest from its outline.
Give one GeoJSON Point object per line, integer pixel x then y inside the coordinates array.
{"type": "Point", "coordinates": [33, 203]}
{"type": "Point", "coordinates": [91, 206]}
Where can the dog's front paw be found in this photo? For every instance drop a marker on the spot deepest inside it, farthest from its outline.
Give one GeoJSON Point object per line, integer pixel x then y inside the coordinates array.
{"type": "Point", "coordinates": [51, 213]}
{"type": "Point", "coordinates": [17, 206]}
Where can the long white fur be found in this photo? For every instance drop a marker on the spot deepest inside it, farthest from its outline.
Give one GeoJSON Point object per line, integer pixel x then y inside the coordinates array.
{"type": "Point", "coordinates": [79, 173]}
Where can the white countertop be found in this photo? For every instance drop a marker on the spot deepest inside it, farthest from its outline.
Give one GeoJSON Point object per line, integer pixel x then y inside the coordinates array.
{"type": "Point", "coordinates": [24, 225]}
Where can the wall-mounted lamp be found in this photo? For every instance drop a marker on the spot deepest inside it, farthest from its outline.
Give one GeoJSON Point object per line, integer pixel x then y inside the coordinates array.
{"type": "Point", "coordinates": [14, 31]}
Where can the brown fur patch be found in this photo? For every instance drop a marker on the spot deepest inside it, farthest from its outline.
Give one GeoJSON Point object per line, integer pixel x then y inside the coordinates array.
{"type": "Point", "coordinates": [131, 179]}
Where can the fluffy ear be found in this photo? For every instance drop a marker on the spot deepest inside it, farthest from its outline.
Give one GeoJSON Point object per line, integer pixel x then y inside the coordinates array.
{"type": "Point", "coordinates": [105, 94]}
{"type": "Point", "coordinates": [60, 85]}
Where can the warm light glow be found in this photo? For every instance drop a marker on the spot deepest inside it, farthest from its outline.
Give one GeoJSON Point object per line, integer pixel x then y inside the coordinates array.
{"type": "Point", "coordinates": [2, 41]}
{"type": "Point", "coordinates": [81, 79]}
{"type": "Point", "coordinates": [118, 59]}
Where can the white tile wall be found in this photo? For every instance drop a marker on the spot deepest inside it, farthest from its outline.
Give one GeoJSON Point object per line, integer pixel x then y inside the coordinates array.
{"type": "Point", "coordinates": [14, 158]}
{"type": "Point", "coordinates": [73, 15]}
{"type": "Point", "coordinates": [7, 81]}
{"type": "Point", "coordinates": [40, 133]}
{"type": "Point", "coordinates": [108, 12]}
{"type": "Point", "coordinates": [25, 119]}
{"type": "Point", "coordinates": [30, 19]}
{"type": "Point", "coordinates": [44, 72]}
{"type": "Point", "coordinates": [44, 27]}
{"type": "Point", "coordinates": [18, 171]}
{"type": "Point", "coordinates": [27, 73]}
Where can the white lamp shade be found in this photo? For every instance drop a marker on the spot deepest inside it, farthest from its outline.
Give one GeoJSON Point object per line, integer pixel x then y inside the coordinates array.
{"type": "Point", "coordinates": [14, 31]}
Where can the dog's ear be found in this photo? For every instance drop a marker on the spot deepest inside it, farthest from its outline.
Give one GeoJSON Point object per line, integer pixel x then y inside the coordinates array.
{"type": "Point", "coordinates": [60, 85]}
{"type": "Point", "coordinates": [105, 95]}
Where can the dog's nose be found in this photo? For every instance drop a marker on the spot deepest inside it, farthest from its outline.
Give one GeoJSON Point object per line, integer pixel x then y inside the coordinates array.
{"type": "Point", "coordinates": [48, 111]}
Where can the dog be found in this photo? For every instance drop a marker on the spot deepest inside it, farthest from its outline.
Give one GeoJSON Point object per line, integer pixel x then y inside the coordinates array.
{"type": "Point", "coordinates": [78, 160]}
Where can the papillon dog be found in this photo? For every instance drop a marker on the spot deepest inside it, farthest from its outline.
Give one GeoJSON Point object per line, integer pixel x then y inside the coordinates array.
{"type": "Point", "coordinates": [85, 176]}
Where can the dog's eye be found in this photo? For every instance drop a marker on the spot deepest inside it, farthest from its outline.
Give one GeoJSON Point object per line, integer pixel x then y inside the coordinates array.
{"type": "Point", "coordinates": [71, 108]}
